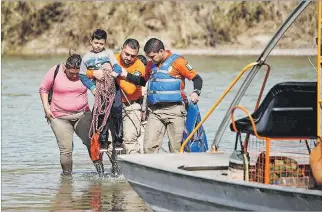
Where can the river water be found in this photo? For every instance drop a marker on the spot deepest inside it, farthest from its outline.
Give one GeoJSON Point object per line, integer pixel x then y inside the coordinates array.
{"type": "Point", "coordinates": [30, 173]}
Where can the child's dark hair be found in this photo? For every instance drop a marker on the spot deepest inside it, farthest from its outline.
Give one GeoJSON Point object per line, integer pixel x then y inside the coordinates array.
{"type": "Point", "coordinates": [99, 34]}
{"type": "Point", "coordinates": [73, 61]}
{"type": "Point", "coordinates": [143, 59]}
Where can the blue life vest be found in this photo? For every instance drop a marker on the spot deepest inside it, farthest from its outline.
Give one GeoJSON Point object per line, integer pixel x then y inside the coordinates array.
{"type": "Point", "coordinates": [162, 86]}
{"type": "Point", "coordinates": [198, 142]}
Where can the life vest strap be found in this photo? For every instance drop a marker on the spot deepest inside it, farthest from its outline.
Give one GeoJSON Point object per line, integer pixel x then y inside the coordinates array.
{"type": "Point", "coordinates": [163, 80]}
{"type": "Point", "coordinates": [164, 92]}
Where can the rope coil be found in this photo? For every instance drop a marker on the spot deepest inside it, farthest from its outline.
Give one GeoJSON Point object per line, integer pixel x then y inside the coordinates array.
{"type": "Point", "coordinates": [103, 101]}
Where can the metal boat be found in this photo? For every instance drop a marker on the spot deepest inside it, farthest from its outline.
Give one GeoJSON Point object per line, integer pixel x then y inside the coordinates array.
{"type": "Point", "coordinates": [269, 168]}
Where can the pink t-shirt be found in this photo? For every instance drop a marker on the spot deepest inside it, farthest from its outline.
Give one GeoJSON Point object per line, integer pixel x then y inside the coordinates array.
{"type": "Point", "coordinates": [68, 96]}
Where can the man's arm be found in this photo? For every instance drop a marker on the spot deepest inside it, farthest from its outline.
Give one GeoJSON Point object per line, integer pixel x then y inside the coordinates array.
{"type": "Point", "coordinates": [138, 80]}
{"type": "Point", "coordinates": [185, 69]}
{"type": "Point", "coordinates": [197, 84]}
{"type": "Point", "coordinates": [129, 87]}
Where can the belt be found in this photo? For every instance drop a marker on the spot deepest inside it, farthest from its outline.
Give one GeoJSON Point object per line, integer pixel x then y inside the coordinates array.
{"type": "Point", "coordinates": [166, 104]}
{"type": "Point", "coordinates": [130, 102]}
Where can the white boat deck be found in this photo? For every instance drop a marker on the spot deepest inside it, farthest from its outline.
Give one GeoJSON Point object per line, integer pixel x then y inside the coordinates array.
{"type": "Point", "coordinates": [171, 162]}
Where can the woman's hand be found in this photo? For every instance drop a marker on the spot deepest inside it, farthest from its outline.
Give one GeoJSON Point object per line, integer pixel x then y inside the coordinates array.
{"type": "Point", "coordinates": [49, 114]}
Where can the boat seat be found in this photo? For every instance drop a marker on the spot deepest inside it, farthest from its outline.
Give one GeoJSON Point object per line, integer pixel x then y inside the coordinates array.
{"type": "Point", "coordinates": [288, 111]}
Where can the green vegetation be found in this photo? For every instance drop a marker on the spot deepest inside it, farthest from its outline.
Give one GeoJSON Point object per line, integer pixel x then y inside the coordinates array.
{"type": "Point", "coordinates": [38, 27]}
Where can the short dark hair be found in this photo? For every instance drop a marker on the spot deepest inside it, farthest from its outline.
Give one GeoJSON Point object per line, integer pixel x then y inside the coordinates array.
{"type": "Point", "coordinates": [99, 34]}
{"type": "Point", "coordinates": [143, 59]}
{"type": "Point", "coordinates": [132, 43]}
{"type": "Point", "coordinates": [74, 61]}
{"type": "Point", "coordinates": [153, 45]}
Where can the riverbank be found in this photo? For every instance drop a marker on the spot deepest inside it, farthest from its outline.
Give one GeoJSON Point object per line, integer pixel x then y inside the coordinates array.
{"type": "Point", "coordinates": [193, 28]}
{"type": "Point", "coordinates": [232, 51]}
{"type": "Point", "coordinates": [246, 52]}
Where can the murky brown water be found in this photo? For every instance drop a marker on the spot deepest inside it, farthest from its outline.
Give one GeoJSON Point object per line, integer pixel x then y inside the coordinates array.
{"type": "Point", "coordinates": [31, 178]}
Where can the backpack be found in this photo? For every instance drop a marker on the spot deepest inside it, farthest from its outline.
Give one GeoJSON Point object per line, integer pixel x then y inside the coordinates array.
{"type": "Point", "coordinates": [50, 94]}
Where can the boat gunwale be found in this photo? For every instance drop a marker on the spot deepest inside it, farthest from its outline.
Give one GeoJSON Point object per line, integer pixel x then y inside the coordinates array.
{"type": "Point", "coordinates": [256, 185]}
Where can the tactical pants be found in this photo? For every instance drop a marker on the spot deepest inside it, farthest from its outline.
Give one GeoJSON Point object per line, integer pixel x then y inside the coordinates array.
{"type": "Point", "coordinates": [164, 117]}
{"type": "Point", "coordinates": [132, 127]}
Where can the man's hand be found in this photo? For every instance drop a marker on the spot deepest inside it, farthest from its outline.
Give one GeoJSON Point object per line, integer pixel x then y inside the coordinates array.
{"type": "Point", "coordinates": [194, 97]}
{"type": "Point", "coordinates": [113, 74]}
{"type": "Point", "coordinates": [124, 73]}
{"type": "Point", "coordinates": [117, 69]}
{"type": "Point", "coordinates": [98, 74]}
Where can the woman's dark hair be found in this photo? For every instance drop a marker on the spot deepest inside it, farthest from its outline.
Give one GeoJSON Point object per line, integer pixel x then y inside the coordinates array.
{"type": "Point", "coordinates": [74, 61]}
{"type": "Point", "coordinates": [99, 34]}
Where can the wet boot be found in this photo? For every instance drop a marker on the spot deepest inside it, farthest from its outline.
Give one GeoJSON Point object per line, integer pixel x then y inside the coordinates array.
{"type": "Point", "coordinates": [99, 167]}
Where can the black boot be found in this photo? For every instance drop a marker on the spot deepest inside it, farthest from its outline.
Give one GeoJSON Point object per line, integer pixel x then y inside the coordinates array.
{"type": "Point", "coordinates": [99, 167]}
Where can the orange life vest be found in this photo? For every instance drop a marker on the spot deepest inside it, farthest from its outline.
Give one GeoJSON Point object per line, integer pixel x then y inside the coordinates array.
{"type": "Point", "coordinates": [132, 91]}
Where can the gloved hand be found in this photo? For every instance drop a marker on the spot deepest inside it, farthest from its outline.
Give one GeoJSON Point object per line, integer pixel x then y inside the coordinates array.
{"type": "Point", "coordinates": [117, 69]}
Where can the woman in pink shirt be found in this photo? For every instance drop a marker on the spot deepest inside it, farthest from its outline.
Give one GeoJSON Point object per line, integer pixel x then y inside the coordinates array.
{"type": "Point", "coordinates": [69, 111]}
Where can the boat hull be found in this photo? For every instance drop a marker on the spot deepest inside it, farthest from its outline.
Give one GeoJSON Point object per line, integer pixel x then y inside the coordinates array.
{"type": "Point", "coordinates": [157, 179]}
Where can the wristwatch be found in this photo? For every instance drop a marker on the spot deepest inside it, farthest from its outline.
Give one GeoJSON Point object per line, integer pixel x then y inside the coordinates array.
{"type": "Point", "coordinates": [198, 92]}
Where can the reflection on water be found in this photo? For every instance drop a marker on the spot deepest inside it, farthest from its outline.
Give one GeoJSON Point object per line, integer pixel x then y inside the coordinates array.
{"type": "Point", "coordinates": [30, 172]}
{"type": "Point", "coordinates": [95, 195]}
